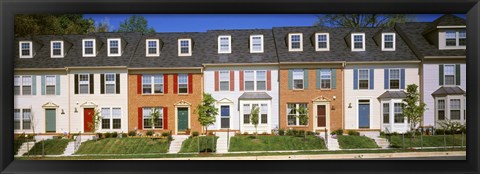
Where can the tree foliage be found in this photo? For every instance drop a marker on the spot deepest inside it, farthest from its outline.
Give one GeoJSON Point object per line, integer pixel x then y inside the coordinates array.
{"type": "Point", "coordinates": [207, 111]}
{"type": "Point", "coordinates": [47, 24]}
{"type": "Point", "coordinates": [136, 23]}
{"type": "Point", "coordinates": [97, 119]}
{"type": "Point", "coordinates": [303, 118]}
{"type": "Point", "coordinates": [154, 115]}
{"type": "Point", "coordinates": [362, 20]}
{"type": "Point", "coordinates": [413, 108]}
{"type": "Point", "coordinates": [254, 114]}
{"type": "Point", "coordinates": [103, 26]}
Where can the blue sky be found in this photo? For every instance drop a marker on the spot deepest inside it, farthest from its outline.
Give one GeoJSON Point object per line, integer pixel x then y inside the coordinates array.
{"type": "Point", "coordinates": [203, 22]}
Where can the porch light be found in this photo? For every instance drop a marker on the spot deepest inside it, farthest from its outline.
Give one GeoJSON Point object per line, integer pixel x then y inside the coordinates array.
{"type": "Point", "coordinates": [76, 111]}
{"type": "Point", "coordinates": [63, 112]}
{"type": "Point", "coordinates": [349, 105]}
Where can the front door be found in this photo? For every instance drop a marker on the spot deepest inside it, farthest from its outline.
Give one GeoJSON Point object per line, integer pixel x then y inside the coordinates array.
{"type": "Point", "coordinates": [182, 119]}
{"type": "Point", "coordinates": [225, 117]}
{"type": "Point", "coordinates": [50, 120]}
{"type": "Point", "coordinates": [321, 116]}
{"type": "Point", "coordinates": [87, 119]}
{"type": "Point", "coordinates": [364, 114]}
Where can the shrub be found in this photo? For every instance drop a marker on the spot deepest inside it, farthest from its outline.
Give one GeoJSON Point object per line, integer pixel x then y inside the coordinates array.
{"type": "Point", "coordinates": [245, 133]}
{"type": "Point", "coordinates": [114, 134]}
{"type": "Point", "coordinates": [293, 132]}
{"type": "Point", "coordinates": [337, 132]}
{"type": "Point", "coordinates": [108, 135]}
{"type": "Point", "coordinates": [439, 131]}
{"type": "Point", "coordinates": [124, 135]}
{"type": "Point", "coordinates": [195, 133]}
{"type": "Point", "coordinates": [310, 133]}
{"type": "Point", "coordinates": [210, 133]}
{"type": "Point", "coordinates": [99, 135]}
{"type": "Point", "coordinates": [281, 131]}
{"type": "Point", "coordinates": [165, 134]}
{"type": "Point", "coordinates": [353, 133]}
{"type": "Point", "coordinates": [149, 133]}
{"type": "Point", "coordinates": [300, 133]}
{"type": "Point", "coordinates": [264, 133]}
{"type": "Point", "coordinates": [132, 133]}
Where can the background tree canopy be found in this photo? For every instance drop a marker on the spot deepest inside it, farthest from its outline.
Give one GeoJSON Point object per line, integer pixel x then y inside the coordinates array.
{"type": "Point", "coordinates": [41, 24]}
{"type": "Point", "coordinates": [136, 23]}
{"type": "Point", "coordinates": [362, 20]}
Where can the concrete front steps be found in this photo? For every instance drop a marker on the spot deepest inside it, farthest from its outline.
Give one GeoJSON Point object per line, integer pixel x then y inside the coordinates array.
{"type": "Point", "coordinates": [24, 148]}
{"type": "Point", "coordinates": [70, 149]}
{"type": "Point", "coordinates": [332, 143]}
{"type": "Point", "coordinates": [222, 141]}
{"type": "Point", "coordinates": [176, 143]}
{"type": "Point", "coordinates": [375, 135]}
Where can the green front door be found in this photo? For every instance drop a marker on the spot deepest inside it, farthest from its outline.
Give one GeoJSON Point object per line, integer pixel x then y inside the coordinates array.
{"type": "Point", "coordinates": [182, 119]}
{"type": "Point", "coordinates": [50, 120]}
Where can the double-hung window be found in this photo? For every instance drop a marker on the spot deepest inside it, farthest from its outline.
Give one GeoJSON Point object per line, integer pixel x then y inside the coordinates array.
{"type": "Point", "coordinates": [22, 119]}
{"type": "Point", "coordinates": [298, 78]}
{"type": "Point", "coordinates": [224, 80]}
{"type": "Point", "coordinates": [363, 78]}
{"type": "Point", "coordinates": [455, 109]}
{"type": "Point", "coordinates": [249, 80]}
{"type": "Point", "coordinates": [449, 74]}
{"type": "Point", "coordinates": [263, 113]}
{"type": "Point", "coordinates": [106, 116]}
{"type": "Point", "coordinates": [398, 111]}
{"type": "Point", "coordinates": [26, 85]}
{"type": "Point", "coordinates": [114, 48]}
{"type": "Point", "coordinates": [17, 83]}
{"type": "Point", "coordinates": [325, 78]}
{"type": "Point", "coordinates": [27, 119]}
{"type": "Point", "coordinates": [246, 113]}
{"type": "Point", "coordinates": [56, 49]}
{"type": "Point", "coordinates": [293, 113]}
{"type": "Point", "coordinates": [321, 42]}
{"type": "Point", "coordinates": [462, 38]}
{"type": "Point", "coordinates": [295, 41]}
{"type": "Point", "coordinates": [441, 109]}
{"type": "Point", "coordinates": [261, 80]}
{"type": "Point", "coordinates": [182, 83]}
{"type": "Point", "coordinates": [83, 83]}
{"type": "Point", "coordinates": [88, 47]}
{"type": "Point", "coordinates": [149, 121]}
{"type": "Point", "coordinates": [455, 38]}
{"type": "Point", "coordinates": [358, 42]}
{"type": "Point", "coordinates": [154, 82]}
{"type": "Point", "coordinates": [386, 113]}
{"type": "Point", "coordinates": [50, 82]}
{"type": "Point", "coordinates": [110, 83]}
{"type": "Point", "coordinates": [394, 78]}
{"type": "Point", "coordinates": [388, 41]}
{"type": "Point", "coordinates": [116, 118]}
{"type": "Point", "coordinates": [152, 47]}
{"type": "Point", "coordinates": [25, 49]}
{"type": "Point", "coordinates": [224, 44]}
{"type": "Point", "coordinates": [256, 44]}
{"type": "Point", "coordinates": [184, 47]}
{"type": "Point", "coordinates": [16, 119]}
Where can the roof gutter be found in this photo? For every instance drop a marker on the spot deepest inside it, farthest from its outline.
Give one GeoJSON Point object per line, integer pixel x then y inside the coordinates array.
{"type": "Point", "coordinates": [445, 57]}
{"type": "Point", "coordinates": [166, 68]}
{"type": "Point", "coordinates": [383, 62]}
{"type": "Point", "coordinates": [95, 67]}
{"type": "Point", "coordinates": [310, 63]}
{"type": "Point", "coordinates": [39, 69]}
{"type": "Point", "coordinates": [238, 64]}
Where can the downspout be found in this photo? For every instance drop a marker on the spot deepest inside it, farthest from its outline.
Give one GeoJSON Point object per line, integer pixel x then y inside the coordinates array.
{"type": "Point", "coordinates": [343, 96]}
{"type": "Point", "coordinates": [68, 93]}
{"type": "Point", "coordinates": [278, 77]}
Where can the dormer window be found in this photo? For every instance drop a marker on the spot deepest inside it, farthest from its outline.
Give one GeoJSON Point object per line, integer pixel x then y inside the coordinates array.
{"type": "Point", "coordinates": [295, 41]}
{"type": "Point", "coordinates": [256, 44]}
{"type": "Point", "coordinates": [358, 42]}
{"type": "Point", "coordinates": [114, 47]}
{"type": "Point", "coordinates": [224, 44]}
{"type": "Point", "coordinates": [88, 48]}
{"type": "Point", "coordinates": [322, 42]}
{"type": "Point", "coordinates": [56, 49]}
{"type": "Point", "coordinates": [184, 47]}
{"type": "Point", "coordinates": [455, 38]}
{"type": "Point", "coordinates": [388, 41]}
{"type": "Point", "coordinates": [152, 47]}
{"type": "Point", "coordinates": [25, 48]}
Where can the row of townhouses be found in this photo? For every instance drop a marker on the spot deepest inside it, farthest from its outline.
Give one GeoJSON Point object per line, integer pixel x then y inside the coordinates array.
{"type": "Point", "coordinates": [354, 79]}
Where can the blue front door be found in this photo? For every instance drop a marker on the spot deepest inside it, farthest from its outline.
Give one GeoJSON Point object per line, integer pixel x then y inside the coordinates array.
{"type": "Point", "coordinates": [364, 115]}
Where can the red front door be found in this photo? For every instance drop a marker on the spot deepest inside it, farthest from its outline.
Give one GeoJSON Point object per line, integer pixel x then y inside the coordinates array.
{"type": "Point", "coordinates": [321, 116]}
{"type": "Point", "coordinates": [87, 119]}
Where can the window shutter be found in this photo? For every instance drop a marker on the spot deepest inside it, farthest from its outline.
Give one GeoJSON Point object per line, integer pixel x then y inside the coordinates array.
{"type": "Point", "coordinates": [102, 83]}
{"type": "Point", "coordinates": [190, 83]}
{"type": "Point", "coordinates": [91, 84]}
{"type": "Point", "coordinates": [57, 85]}
{"type": "Point", "coordinates": [402, 78]}
{"type": "Point", "coordinates": [457, 74]}
{"type": "Point", "coordinates": [386, 77]}
{"type": "Point", "coordinates": [371, 79]}
{"type": "Point", "coordinates": [165, 118]}
{"type": "Point", "coordinates": [216, 81]}
{"type": "Point", "coordinates": [117, 83]}
{"type": "Point", "coordinates": [139, 84]}
{"type": "Point", "coordinates": [232, 81]}
{"type": "Point", "coordinates": [334, 78]}
{"type": "Point", "coordinates": [241, 81]}
{"type": "Point", "coordinates": [305, 79]}
{"type": "Point", "coordinates": [317, 78]}
{"type": "Point", "coordinates": [269, 80]}
{"type": "Point", "coordinates": [165, 83]}
{"type": "Point", "coordinates": [290, 79]}
{"type": "Point", "coordinates": [140, 118]}
{"type": "Point", "coordinates": [175, 83]}
{"type": "Point", "coordinates": [440, 74]}
{"type": "Point", "coordinates": [42, 82]}
{"type": "Point", "coordinates": [355, 78]}
{"type": "Point", "coordinates": [76, 84]}
{"type": "Point", "coordinates": [34, 85]}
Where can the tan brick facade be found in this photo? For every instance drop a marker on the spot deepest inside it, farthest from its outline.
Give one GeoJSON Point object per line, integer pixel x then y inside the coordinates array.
{"type": "Point", "coordinates": [308, 95]}
{"type": "Point", "coordinates": [169, 100]}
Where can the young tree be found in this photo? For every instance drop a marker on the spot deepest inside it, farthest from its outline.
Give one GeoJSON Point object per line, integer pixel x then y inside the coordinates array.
{"type": "Point", "coordinates": [97, 119]}
{"type": "Point", "coordinates": [413, 108]}
{"type": "Point", "coordinates": [207, 111]}
{"type": "Point", "coordinates": [38, 24]}
{"type": "Point", "coordinates": [362, 20]}
{"type": "Point", "coordinates": [136, 23]}
{"type": "Point", "coordinates": [154, 115]}
{"type": "Point", "coordinates": [303, 119]}
{"type": "Point", "coordinates": [254, 118]}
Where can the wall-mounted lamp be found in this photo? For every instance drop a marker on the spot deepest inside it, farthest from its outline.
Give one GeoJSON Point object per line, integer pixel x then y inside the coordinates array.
{"type": "Point", "coordinates": [333, 107]}
{"type": "Point", "coordinates": [75, 111]}
{"type": "Point", "coordinates": [63, 112]}
{"type": "Point", "coordinates": [334, 97]}
{"type": "Point", "coordinates": [349, 105]}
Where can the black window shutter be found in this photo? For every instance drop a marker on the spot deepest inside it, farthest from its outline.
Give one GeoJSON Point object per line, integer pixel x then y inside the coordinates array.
{"type": "Point", "coordinates": [91, 84]}
{"type": "Point", "coordinates": [117, 83]}
{"type": "Point", "coordinates": [102, 83]}
{"type": "Point", "coordinates": [76, 84]}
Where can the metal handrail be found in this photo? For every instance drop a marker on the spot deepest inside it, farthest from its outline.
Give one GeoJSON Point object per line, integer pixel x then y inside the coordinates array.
{"type": "Point", "coordinates": [78, 141]}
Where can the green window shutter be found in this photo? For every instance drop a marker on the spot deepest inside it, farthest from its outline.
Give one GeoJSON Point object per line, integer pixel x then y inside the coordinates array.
{"type": "Point", "coordinates": [34, 85]}
{"type": "Point", "coordinates": [457, 74]}
{"type": "Point", "coordinates": [43, 85]}
{"type": "Point", "coordinates": [440, 74]}
{"type": "Point", "coordinates": [334, 78]}
{"type": "Point", "coordinates": [317, 82]}
{"type": "Point", "coordinates": [57, 86]}
{"type": "Point", "coordinates": [290, 79]}
{"type": "Point", "coordinates": [305, 79]}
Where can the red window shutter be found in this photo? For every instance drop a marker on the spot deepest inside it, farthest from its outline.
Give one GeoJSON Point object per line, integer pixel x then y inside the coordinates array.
{"type": "Point", "coordinates": [216, 81]}
{"type": "Point", "coordinates": [140, 118]}
{"type": "Point", "coordinates": [165, 118]}
{"type": "Point", "coordinates": [175, 83]}
{"type": "Point", "coordinates": [241, 81]}
{"type": "Point", "coordinates": [190, 83]}
{"type": "Point", "coordinates": [139, 84]}
{"type": "Point", "coordinates": [165, 83]}
{"type": "Point", "coordinates": [232, 80]}
{"type": "Point", "coordinates": [269, 80]}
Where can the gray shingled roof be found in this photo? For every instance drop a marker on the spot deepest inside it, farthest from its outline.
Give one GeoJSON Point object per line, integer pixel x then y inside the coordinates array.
{"type": "Point", "coordinates": [393, 94]}
{"type": "Point", "coordinates": [339, 47]}
{"type": "Point", "coordinates": [443, 91]}
{"type": "Point", "coordinates": [254, 96]}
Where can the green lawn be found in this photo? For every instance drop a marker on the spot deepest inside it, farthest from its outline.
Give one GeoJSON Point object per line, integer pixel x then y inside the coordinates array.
{"type": "Point", "coordinates": [428, 141]}
{"type": "Point", "coordinates": [191, 144]}
{"type": "Point", "coordinates": [51, 147]}
{"type": "Point", "coordinates": [356, 142]}
{"type": "Point", "coordinates": [270, 143]}
{"type": "Point", "coordinates": [124, 146]}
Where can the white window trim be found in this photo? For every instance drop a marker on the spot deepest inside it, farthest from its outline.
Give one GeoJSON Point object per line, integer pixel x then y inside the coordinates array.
{"type": "Point", "coordinates": [383, 42]}
{"type": "Point", "coordinates": [368, 79]}
{"type": "Point", "coordinates": [61, 49]}
{"type": "Point", "coordinates": [119, 47]}
{"type": "Point", "coordinates": [94, 53]}
{"type": "Point", "coordinates": [297, 120]}
{"type": "Point", "coordinates": [259, 103]}
{"type": "Point", "coordinates": [111, 117]}
{"type": "Point", "coordinates": [157, 49]}
{"type": "Point", "coordinates": [457, 40]}
{"type": "Point", "coordinates": [389, 78]}
{"type": "Point", "coordinates": [316, 42]}
{"type": "Point", "coordinates": [30, 49]}
{"type": "Point", "coordinates": [21, 119]}
{"type": "Point", "coordinates": [114, 83]}
{"type": "Point", "coordinates": [229, 44]}
{"type": "Point", "coordinates": [290, 42]}
{"type": "Point", "coordinates": [447, 109]}
{"type": "Point", "coordinates": [303, 80]}
{"type": "Point", "coordinates": [353, 42]}
{"type": "Point", "coordinates": [88, 83]}
{"type": "Point", "coordinates": [220, 80]}
{"type": "Point", "coordinates": [160, 110]}
{"type": "Point", "coordinates": [255, 81]}
{"type": "Point", "coordinates": [55, 84]}
{"type": "Point", "coordinates": [178, 84]}
{"type": "Point", "coordinates": [152, 85]}
{"type": "Point", "coordinates": [189, 47]}
{"type": "Point", "coordinates": [454, 75]}
{"type": "Point", "coordinates": [325, 79]}
{"type": "Point", "coordinates": [251, 43]}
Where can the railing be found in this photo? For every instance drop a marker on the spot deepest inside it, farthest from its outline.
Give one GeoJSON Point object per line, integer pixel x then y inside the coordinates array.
{"type": "Point", "coordinates": [78, 141]}
{"type": "Point", "coordinates": [326, 138]}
